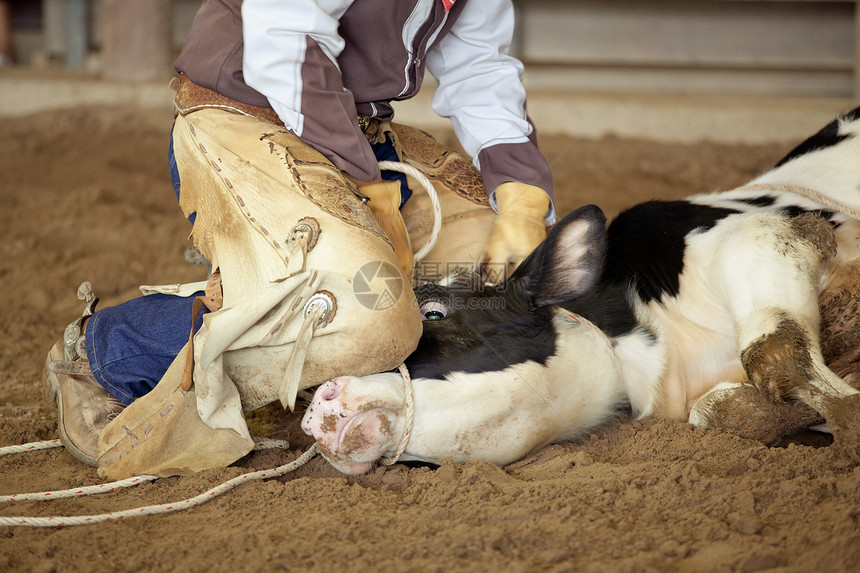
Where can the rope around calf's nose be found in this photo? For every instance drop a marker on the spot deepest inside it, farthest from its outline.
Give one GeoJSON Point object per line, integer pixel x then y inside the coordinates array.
{"type": "Point", "coordinates": [410, 417]}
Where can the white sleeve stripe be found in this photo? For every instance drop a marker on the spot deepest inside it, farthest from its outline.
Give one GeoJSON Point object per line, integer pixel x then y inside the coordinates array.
{"type": "Point", "coordinates": [479, 83]}
{"type": "Point", "coordinates": [275, 34]}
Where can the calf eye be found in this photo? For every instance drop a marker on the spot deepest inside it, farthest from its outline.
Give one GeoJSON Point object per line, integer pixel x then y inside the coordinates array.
{"type": "Point", "coordinates": [433, 310]}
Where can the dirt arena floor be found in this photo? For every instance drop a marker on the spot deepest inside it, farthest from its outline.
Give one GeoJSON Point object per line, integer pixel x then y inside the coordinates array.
{"type": "Point", "coordinates": [85, 194]}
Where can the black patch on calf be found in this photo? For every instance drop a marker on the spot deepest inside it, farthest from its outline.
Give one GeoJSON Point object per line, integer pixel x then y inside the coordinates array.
{"type": "Point", "coordinates": [827, 137]}
{"type": "Point", "coordinates": [646, 244]}
{"type": "Point", "coordinates": [793, 211]}
{"type": "Point", "coordinates": [761, 201]}
{"type": "Point", "coordinates": [607, 307]}
{"type": "Point", "coordinates": [484, 331]}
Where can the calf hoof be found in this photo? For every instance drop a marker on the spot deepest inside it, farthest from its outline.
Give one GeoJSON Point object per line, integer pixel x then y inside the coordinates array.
{"type": "Point", "coordinates": [844, 421]}
{"type": "Point", "coordinates": [746, 411]}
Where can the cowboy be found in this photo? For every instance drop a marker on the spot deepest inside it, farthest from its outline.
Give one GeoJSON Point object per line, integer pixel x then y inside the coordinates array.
{"type": "Point", "coordinates": [283, 113]}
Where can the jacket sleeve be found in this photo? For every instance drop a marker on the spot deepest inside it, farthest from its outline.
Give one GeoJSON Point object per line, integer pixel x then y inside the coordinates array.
{"type": "Point", "coordinates": [481, 91]}
{"type": "Point", "coordinates": [290, 54]}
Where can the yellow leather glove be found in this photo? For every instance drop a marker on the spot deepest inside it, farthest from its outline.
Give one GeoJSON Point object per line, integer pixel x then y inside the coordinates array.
{"type": "Point", "coordinates": [384, 203]}
{"type": "Point", "coordinates": [519, 228]}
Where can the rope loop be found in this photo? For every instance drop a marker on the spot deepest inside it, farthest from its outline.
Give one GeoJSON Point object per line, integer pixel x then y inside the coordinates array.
{"type": "Point", "coordinates": [434, 200]}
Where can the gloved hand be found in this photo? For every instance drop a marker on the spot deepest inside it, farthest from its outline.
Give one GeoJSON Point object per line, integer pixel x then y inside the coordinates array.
{"type": "Point", "coordinates": [519, 228]}
{"type": "Point", "coordinates": [384, 203]}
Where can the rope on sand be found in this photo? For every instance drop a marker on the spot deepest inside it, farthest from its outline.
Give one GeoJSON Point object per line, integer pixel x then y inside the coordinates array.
{"type": "Point", "coordinates": [76, 492]}
{"type": "Point", "coordinates": [261, 444]}
{"type": "Point", "coordinates": [59, 521]}
{"type": "Point", "coordinates": [31, 447]}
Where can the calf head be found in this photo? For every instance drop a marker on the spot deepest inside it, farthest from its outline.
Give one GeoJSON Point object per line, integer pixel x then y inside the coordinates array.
{"type": "Point", "coordinates": [491, 370]}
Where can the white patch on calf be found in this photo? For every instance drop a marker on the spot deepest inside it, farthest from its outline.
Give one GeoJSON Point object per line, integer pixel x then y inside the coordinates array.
{"type": "Point", "coordinates": [504, 415]}
{"type": "Point", "coordinates": [759, 267]}
{"type": "Point", "coordinates": [642, 367]}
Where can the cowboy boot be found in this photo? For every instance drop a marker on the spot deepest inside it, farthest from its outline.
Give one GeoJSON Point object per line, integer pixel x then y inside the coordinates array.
{"type": "Point", "coordinates": [84, 407]}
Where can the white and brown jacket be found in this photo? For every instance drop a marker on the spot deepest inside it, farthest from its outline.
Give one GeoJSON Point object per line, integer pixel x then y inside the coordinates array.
{"type": "Point", "coordinates": [318, 63]}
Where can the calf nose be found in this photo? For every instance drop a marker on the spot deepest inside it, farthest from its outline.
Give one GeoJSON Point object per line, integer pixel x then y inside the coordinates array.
{"type": "Point", "coordinates": [325, 401]}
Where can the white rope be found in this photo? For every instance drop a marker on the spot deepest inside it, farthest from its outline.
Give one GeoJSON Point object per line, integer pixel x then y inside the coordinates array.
{"type": "Point", "coordinates": [410, 417]}
{"type": "Point", "coordinates": [269, 444]}
{"type": "Point", "coordinates": [31, 447]}
{"type": "Point", "coordinates": [77, 492]}
{"type": "Point", "coordinates": [434, 199]}
{"type": "Point", "coordinates": [420, 254]}
{"type": "Point", "coordinates": [58, 521]}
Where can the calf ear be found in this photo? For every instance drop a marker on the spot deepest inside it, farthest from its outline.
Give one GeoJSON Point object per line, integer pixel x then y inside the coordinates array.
{"type": "Point", "coordinates": [569, 261]}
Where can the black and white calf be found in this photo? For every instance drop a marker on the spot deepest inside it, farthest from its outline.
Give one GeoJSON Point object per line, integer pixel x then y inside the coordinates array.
{"type": "Point", "coordinates": [723, 309]}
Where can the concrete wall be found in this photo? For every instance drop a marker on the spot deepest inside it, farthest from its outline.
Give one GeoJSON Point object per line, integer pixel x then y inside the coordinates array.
{"type": "Point", "coordinates": [794, 48]}
{"type": "Point", "coordinates": [705, 46]}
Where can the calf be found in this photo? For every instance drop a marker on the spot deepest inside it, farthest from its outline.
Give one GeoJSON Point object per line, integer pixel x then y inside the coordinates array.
{"type": "Point", "coordinates": [708, 309]}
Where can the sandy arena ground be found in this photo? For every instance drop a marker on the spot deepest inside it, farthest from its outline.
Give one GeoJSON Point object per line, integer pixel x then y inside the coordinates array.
{"type": "Point", "coordinates": [85, 194]}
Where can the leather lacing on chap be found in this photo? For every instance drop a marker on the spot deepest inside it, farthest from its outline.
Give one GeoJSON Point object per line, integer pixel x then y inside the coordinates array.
{"type": "Point", "coordinates": [317, 307]}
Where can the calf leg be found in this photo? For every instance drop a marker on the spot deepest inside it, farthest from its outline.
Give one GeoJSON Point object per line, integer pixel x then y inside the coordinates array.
{"type": "Point", "coordinates": [767, 271]}
{"type": "Point", "coordinates": [787, 363]}
{"type": "Point", "coordinates": [743, 409]}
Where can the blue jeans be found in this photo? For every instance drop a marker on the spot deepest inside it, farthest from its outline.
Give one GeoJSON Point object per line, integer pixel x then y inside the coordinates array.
{"type": "Point", "coordinates": [131, 345]}
{"type": "Point", "coordinates": [386, 152]}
